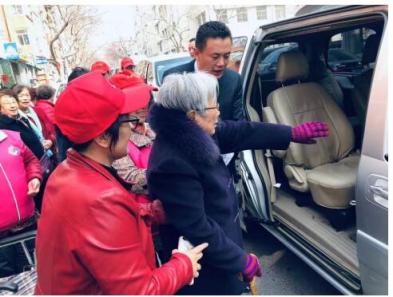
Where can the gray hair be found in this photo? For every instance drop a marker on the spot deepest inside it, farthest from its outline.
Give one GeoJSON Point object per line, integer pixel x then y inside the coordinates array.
{"type": "Point", "coordinates": [188, 91]}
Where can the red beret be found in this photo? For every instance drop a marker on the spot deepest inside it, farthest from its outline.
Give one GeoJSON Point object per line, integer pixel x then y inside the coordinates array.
{"type": "Point", "coordinates": [88, 106]}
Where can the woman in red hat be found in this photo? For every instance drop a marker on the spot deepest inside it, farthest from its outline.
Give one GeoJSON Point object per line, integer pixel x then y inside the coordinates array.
{"type": "Point", "coordinates": [132, 168]}
{"type": "Point", "coordinates": [92, 235]}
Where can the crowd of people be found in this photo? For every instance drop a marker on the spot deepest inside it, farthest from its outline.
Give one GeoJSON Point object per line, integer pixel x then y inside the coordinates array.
{"type": "Point", "coordinates": [134, 196]}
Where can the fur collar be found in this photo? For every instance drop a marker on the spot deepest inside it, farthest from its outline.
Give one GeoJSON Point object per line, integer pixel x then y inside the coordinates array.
{"type": "Point", "coordinates": [184, 134]}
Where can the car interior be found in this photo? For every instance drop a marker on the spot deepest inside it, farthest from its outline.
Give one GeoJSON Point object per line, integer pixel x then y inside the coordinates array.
{"type": "Point", "coordinates": [324, 74]}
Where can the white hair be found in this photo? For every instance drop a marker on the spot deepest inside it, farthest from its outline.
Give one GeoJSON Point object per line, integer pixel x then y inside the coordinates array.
{"type": "Point", "coordinates": [188, 91]}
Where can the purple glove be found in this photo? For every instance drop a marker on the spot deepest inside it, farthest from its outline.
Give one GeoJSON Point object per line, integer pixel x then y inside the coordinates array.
{"type": "Point", "coordinates": [304, 133]}
{"type": "Point", "coordinates": [253, 268]}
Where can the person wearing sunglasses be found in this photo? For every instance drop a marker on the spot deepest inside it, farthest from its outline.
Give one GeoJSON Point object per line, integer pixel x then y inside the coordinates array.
{"type": "Point", "coordinates": [93, 237]}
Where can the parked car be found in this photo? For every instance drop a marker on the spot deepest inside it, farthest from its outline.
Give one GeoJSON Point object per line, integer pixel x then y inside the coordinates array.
{"type": "Point", "coordinates": [152, 69]}
{"type": "Point", "coordinates": [327, 202]}
{"type": "Point", "coordinates": [340, 60]}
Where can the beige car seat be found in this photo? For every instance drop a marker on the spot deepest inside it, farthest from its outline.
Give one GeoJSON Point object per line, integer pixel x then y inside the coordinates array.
{"type": "Point", "coordinates": [327, 169]}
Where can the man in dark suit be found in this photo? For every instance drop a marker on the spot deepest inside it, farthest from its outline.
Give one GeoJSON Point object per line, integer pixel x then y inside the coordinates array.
{"type": "Point", "coordinates": [213, 47]}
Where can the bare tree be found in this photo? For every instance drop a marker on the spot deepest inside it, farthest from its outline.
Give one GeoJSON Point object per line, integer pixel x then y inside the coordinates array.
{"type": "Point", "coordinates": [67, 29]}
{"type": "Point", "coordinates": [119, 49]}
{"type": "Point", "coordinates": [167, 27]}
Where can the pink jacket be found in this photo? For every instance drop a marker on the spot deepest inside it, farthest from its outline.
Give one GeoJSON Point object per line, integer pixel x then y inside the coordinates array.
{"type": "Point", "coordinates": [18, 165]}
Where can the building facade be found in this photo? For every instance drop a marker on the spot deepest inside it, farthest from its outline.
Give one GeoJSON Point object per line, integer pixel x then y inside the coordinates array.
{"type": "Point", "coordinates": [174, 25]}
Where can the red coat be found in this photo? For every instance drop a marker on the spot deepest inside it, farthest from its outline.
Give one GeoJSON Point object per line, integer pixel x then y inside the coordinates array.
{"type": "Point", "coordinates": [47, 107]}
{"type": "Point", "coordinates": [92, 238]}
{"type": "Point", "coordinates": [48, 128]}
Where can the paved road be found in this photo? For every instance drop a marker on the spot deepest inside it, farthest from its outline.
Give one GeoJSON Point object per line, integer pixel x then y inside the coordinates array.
{"type": "Point", "coordinates": [284, 272]}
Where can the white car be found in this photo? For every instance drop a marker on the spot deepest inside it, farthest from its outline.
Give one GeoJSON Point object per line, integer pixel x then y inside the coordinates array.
{"type": "Point", "coordinates": [152, 69]}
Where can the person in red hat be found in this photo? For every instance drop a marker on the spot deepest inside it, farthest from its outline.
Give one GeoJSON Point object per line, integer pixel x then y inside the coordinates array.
{"type": "Point", "coordinates": [93, 237]}
{"type": "Point", "coordinates": [127, 67]}
{"type": "Point", "coordinates": [127, 64]}
{"type": "Point", "coordinates": [101, 67]}
{"type": "Point", "coordinates": [132, 168]}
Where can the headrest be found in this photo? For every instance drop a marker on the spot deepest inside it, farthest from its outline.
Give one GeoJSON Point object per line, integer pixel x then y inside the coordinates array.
{"type": "Point", "coordinates": [291, 65]}
{"type": "Point", "coordinates": [370, 50]}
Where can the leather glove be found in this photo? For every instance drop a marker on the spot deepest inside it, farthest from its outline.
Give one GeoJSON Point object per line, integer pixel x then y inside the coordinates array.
{"type": "Point", "coordinates": [253, 268]}
{"type": "Point", "coordinates": [304, 133]}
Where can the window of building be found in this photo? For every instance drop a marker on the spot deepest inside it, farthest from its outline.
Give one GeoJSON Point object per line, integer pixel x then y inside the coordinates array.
{"type": "Point", "coordinates": [201, 18]}
{"type": "Point", "coordinates": [280, 12]}
{"type": "Point", "coordinates": [223, 15]}
{"type": "Point", "coordinates": [241, 14]}
{"type": "Point", "coordinates": [18, 9]}
{"type": "Point", "coordinates": [23, 37]}
{"type": "Point", "coordinates": [261, 13]}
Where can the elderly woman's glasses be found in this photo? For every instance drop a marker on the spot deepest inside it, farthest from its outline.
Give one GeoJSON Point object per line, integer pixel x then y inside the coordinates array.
{"type": "Point", "coordinates": [214, 107]}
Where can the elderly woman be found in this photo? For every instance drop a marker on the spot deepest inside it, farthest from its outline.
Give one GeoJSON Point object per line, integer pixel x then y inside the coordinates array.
{"type": "Point", "coordinates": [10, 119]}
{"type": "Point", "coordinates": [187, 173]}
{"type": "Point", "coordinates": [29, 115]}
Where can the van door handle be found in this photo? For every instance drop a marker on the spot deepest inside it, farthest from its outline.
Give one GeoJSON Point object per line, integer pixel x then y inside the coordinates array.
{"type": "Point", "coordinates": [380, 195]}
{"type": "Point", "coordinates": [379, 191]}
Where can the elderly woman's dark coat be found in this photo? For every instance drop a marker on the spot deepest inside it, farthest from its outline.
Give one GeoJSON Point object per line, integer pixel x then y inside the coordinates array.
{"type": "Point", "coordinates": [187, 173]}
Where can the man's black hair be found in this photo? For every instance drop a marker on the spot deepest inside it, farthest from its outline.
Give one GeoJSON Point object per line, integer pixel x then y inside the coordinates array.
{"type": "Point", "coordinates": [192, 39]}
{"type": "Point", "coordinates": [212, 29]}
{"type": "Point", "coordinates": [45, 92]}
{"type": "Point", "coordinates": [76, 72]}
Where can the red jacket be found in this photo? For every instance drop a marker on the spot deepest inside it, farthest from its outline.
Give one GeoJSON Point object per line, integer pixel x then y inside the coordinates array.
{"type": "Point", "coordinates": [47, 107]}
{"type": "Point", "coordinates": [48, 128]}
{"type": "Point", "coordinates": [92, 238]}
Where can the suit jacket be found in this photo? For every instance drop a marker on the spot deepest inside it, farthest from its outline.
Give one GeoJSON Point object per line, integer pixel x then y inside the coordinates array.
{"type": "Point", "coordinates": [230, 91]}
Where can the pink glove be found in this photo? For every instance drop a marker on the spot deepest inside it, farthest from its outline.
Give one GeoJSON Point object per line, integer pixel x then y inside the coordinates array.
{"type": "Point", "coordinates": [253, 268]}
{"type": "Point", "coordinates": [304, 133]}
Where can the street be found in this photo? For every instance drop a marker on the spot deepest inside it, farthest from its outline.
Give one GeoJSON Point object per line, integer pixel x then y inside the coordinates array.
{"type": "Point", "coordinates": [284, 273]}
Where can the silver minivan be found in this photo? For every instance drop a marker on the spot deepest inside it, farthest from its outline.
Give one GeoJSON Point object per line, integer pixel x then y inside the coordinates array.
{"type": "Point", "coordinates": [328, 201]}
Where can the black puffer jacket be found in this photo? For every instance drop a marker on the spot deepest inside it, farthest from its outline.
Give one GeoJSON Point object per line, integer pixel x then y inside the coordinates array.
{"type": "Point", "coordinates": [27, 134]}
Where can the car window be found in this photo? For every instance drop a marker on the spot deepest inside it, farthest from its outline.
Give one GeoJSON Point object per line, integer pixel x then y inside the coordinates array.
{"type": "Point", "coordinates": [346, 49]}
{"type": "Point", "coordinates": [162, 66]}
{"type": "Point", "coordinates": [268, 64]}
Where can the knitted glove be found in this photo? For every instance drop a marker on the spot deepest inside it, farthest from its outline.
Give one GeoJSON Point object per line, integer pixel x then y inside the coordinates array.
{"type": "Point", "coordinates": [304, 133]}
{"type": "Point", "coordinates": [253, 268]}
